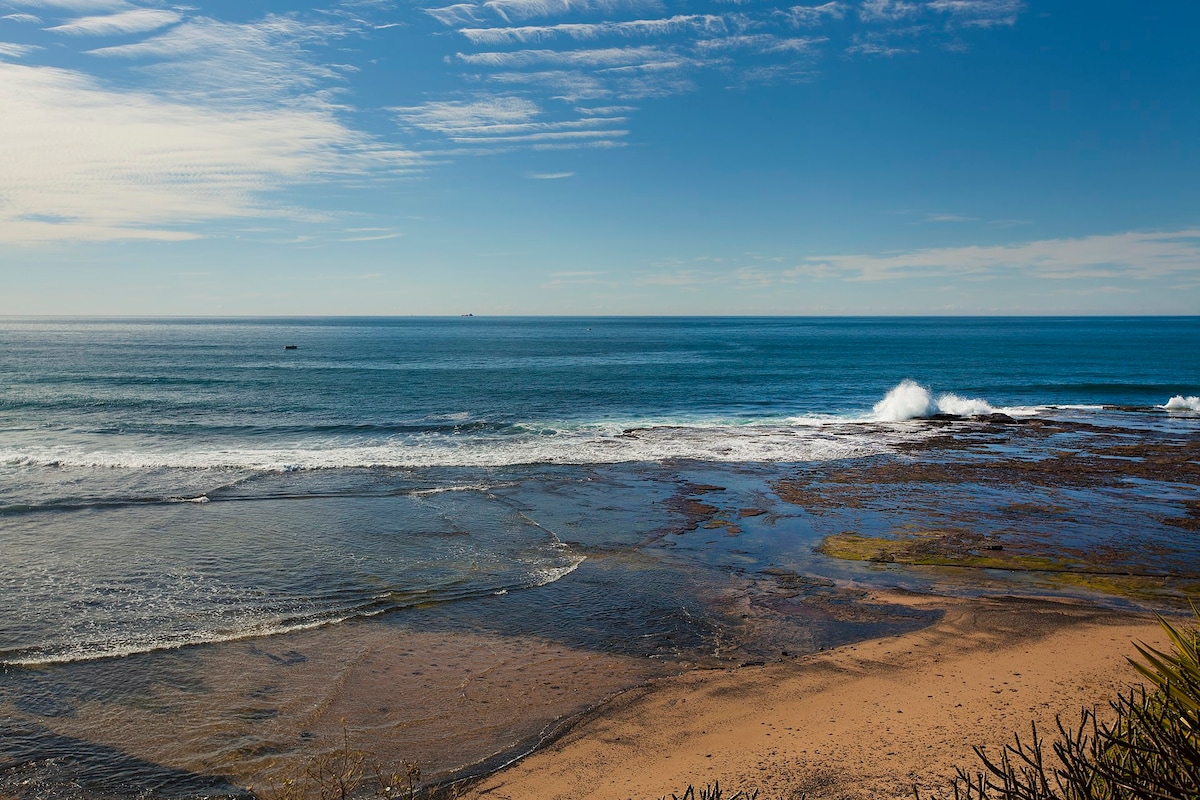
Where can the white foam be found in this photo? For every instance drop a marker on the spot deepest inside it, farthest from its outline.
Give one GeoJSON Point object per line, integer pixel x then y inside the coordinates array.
{"type": "Point", "coordinates": [548, 575]}
{"type": "Point", "coordinates": [125, 649]}
{"type": "Point", "coordinates": [1181, 403]}
{"type": "Point", "coordinates": [587, 445]}
{"type": "Point", "coordinates": [963, 406]}
{"type": "Point", "coordinates": [910, 400]}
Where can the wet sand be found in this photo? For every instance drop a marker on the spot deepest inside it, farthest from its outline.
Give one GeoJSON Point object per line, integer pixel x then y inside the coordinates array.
{"type": "Point", "coordinates": [259, 713]}
{"type": "Point", "coordinates": [868, 720]}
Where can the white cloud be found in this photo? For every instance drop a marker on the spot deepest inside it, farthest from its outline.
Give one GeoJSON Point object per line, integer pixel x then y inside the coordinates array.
{"type": "Point", "coordinates": [704, 23]}
{"type": "Point", "coordinates": [875, 43]}
{"type": "Point", "coordinates": [499, 123]}
{"type": "Point", "coordinates": [87, 163]}
{"type": "Point", "coordinates": [575, 86]}
{"type": "Point", "coordinates": [458, 14]}
{"type": "Point", "coordinates": [12, 50]}
{"type": "Point", "coordinates": [553, 60]}
{"type": "Point", "coordinates": [26, 18]}
{"type": "Point", "coordinates": [600, 57]}
{"type": "Point", "coordinates": [377, 237]}
{"type": "Point", "coordinates": [812, 15]}
{"type": "Point", "coordinates": [256, 61]}
{"type": "Point", "coordinates": [605, 111]}
{"type": "Point", "coordinates": [980, 13]}
{"type": "Point", "coordinates": [588, 123]}
{"type": "Point", "coordinates": [886, 10]}
{"type": "Point", "coordinates": [451, 116]}
{"type": "Point", "coordinates": [510, 10]}
{"type": "Point", "coordinates": [949, 218]}
{"type": "Point", "coordinates": [77, 6]}
{"type": "Point", "coordinates": [1126, 255]}
{"type": "Point", "coordinates": [138, 20]}
{"type": "Point", "coordinates": [551, 176]}
{"type": "Point", "coordinates": [760, 43]}
{"type": "Point", "coordinates": [542, 138]}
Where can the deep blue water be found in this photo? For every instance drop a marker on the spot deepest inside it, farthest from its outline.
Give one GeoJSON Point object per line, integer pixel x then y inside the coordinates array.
{"type": "Point", "coordinates": [175, 391]}
{"type": "Point", "coordinates": [157, 476]}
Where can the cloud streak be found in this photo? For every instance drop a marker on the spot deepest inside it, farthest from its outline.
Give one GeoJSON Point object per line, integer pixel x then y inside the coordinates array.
{"type": "Point", "coordinates": [509, 122]}
{"type": "Point", "coordinates": [703, 23]}
{"type": "Point", "coordinates": [138, 20]}
{"type": "Point", "coordinates": [1134, 256]}
{"type": "Point", "coordinates": [90, 163]}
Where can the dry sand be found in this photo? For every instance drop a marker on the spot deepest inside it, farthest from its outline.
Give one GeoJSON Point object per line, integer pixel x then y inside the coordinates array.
{"type": "Point", "coordinates": [862, 721]}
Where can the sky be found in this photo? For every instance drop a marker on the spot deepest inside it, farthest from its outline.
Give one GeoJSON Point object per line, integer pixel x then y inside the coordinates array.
{"type": "Point", "coordinates": [388, 157]}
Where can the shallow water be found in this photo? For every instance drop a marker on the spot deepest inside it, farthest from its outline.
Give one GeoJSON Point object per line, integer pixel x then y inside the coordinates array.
{"type": "Point", "coordinates": [436, 540]}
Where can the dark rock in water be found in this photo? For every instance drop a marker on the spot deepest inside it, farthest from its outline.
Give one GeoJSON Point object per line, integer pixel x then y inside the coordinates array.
{"type": "Point", "coordinates": [996, 418]}
{"type": "Point", "coordinates": [290, 347]}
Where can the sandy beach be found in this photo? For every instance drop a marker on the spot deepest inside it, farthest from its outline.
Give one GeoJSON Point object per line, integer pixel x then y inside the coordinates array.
{"type": "Point", "coordinates": [869, 720]}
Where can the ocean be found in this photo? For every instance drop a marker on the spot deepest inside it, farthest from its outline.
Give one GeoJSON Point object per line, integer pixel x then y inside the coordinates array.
{"type": "Point", "coordinates": [227, 545]}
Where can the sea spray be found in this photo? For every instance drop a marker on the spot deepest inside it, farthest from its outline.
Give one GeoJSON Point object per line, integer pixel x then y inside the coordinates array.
{"type": "Point", "coordinates": [910, 400]}
{"type": "Point", "coordinates": [1181, 403]}
{"type": "Point", "coordinates": [963, 406]}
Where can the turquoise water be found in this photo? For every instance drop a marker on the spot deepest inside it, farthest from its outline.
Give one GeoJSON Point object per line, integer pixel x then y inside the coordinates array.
{"type": "Point", "coordinates": [167, 486]}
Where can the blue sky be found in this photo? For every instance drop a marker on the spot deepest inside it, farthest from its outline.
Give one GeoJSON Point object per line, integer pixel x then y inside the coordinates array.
{"type": "Point", "coordinates": [599, 157]}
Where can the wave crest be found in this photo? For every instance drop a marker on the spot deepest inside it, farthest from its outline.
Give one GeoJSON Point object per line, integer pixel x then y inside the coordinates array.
{"type": "Point", "coordinates": [910, 400]}
{"type": "Point", "coordinates": [1181, 403]}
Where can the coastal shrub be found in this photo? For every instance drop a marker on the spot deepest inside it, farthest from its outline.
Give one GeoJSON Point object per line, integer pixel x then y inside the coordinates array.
{"type": "Point", "coordinates": [1149, 751]}
{"type": "Point", "coordinates": [713, 792]}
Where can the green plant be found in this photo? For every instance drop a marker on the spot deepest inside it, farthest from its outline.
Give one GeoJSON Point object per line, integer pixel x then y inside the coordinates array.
{"type": "Point", "coordinates": [1177, 674]}
{"type": "Point", "coordinates": [1149, 751]}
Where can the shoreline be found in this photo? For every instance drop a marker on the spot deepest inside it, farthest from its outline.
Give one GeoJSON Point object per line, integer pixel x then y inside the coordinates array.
{"type": "Point", "coordinates": [865, 720]}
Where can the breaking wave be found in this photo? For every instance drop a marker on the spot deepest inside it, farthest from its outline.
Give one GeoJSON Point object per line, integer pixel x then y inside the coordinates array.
{"type": "Point", "coordinates": [910, 400]}
{"type": "Point", "coordinates": [1181, 403]}
{"type": "Point", "coordinates": [601, 444]}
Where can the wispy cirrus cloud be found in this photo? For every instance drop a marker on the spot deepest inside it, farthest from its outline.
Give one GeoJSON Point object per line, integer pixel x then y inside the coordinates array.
{"type": "Point", "coordinates": [525, 47]}
{"type": "Point", "coordinates": [980, 13]}
{"type": "Point", "coordinates": [235, 114]}
{"type": "Point", "coordinates": [949, 218]}
{"type": "Point", "coordinates": [509, 122]}
{"type": "Point", "coordinates": [260, 61]}
{"type": "Point", "coordinates": [87, 163]}
{"type": "Point", "coordinates": [599, 57]}
{"type": "Point", "coordinates": [510, 10]}
{"type": "Point", "coordinates": [580, 31]}
{"type": "Point", "coordinates": [74, 6]}
{"type": "Point", "coordinates": [887, 10]}
{"type": "Point", "coordinates": [1133, 255]}
{"type": "Point", "coordinates": [1115, 263]}
{"type": "Point", "coordinates": [13, 50]}
{"type": "Point", "coordinates": [137, 20]}
{"type": "Point", "coordinates": [532, 75]}
{"type": "Point", "coordinates": [806, 16]}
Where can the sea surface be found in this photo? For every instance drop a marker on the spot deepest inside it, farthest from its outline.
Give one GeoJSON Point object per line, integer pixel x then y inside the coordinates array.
{"type": "Point", "coordinates": [226, 543]}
